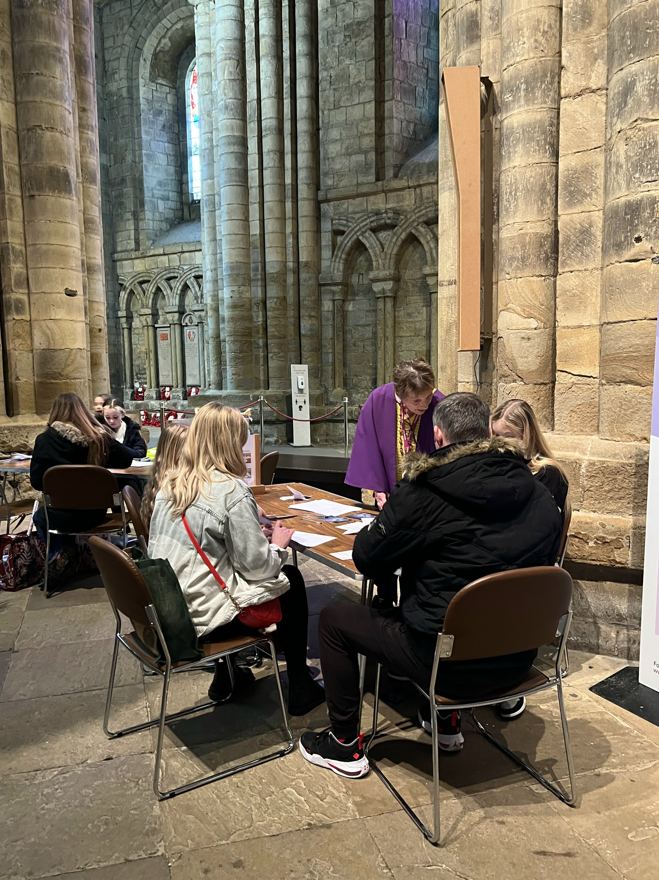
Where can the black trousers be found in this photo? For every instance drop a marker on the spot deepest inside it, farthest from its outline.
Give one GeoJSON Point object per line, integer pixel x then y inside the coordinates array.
{"type": "Point", "coordinates": [291, 634]}
{"type": "Point", "coordinates": [346, 630]}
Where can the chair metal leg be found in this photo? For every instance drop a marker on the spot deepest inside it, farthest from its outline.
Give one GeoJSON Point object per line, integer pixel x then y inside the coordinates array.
{"type": "Point", "coordinates": [163, 719]}
{"type": "Point", "coordinates": [113, 672]}
{"type": "Point", "coordinates": [366, 599]}
{"type": "Point", "coordinates": [45, 575]}
{"type": "Point", "coordinates": [569, 799]}
{"type": "Point", "coordinates": [431, 836]}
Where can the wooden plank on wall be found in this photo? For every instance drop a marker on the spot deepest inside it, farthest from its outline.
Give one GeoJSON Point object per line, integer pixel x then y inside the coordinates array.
{"type": "Point", "coordinates": [462, 87]}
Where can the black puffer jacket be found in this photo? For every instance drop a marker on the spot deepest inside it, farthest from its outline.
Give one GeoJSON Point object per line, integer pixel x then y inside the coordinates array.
{"type": "Point", "coordinates": [62, 443]}
{"type": "Point", "coordinates": [132, 438]}
{"type": "Point", "coordinates": [465, 511]}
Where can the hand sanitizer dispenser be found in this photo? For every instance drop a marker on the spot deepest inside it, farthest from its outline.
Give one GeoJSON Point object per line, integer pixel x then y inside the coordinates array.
{"type": "Point", "coordinates": [300, 395]}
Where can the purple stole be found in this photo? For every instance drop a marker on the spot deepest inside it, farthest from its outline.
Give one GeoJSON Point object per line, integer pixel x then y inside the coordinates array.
{"type": "Point", "coordinates": [373, 461]}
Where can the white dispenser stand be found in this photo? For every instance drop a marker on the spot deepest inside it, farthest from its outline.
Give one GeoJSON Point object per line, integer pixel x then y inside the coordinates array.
{"type": "Point", "coordinates": [300, 392]}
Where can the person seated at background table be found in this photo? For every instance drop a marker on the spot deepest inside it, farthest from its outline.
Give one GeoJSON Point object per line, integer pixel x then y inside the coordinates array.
{"type": "Point", "coordinates": [516, 419]}
{"type": "Point", "coordinates": [395, 420]}
{"type": "Point", "coordinates": [123, 428]}
{"type": "Point", "coordinates": [100, 401]}
{"type": "Point", "coordinates": [470, 509]}
{"type": "Point", "coordinates": [207, 487]}
{"type": "Point", "coordinates": [73, 436]}
{"type": "Point", "coordinates": [168, 454]}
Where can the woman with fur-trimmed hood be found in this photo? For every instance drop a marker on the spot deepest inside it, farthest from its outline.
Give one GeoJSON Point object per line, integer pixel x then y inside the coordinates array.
{"type": "Point", "coordinates": [73, 436]}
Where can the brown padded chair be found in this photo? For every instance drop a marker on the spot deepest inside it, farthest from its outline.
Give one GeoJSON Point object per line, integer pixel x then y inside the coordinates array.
{"type": "Point", "coordinates": [129, 595]}
{"type": "Point", "coordinates": [269, 464]}
{"type": "Point", "coordinates": [133, 504]}
{"type": "Point", "coordinates": [82, 487]}
{"type": "Point", "coordinates": [499, 614]}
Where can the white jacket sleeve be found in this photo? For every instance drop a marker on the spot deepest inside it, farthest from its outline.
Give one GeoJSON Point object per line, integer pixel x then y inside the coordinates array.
{"type": "Point", "coordinates": [249, 550]}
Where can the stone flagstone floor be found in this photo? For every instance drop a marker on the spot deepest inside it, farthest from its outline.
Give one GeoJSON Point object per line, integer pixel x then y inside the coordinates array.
{"type": "Point", "coordinates": [73, 803]}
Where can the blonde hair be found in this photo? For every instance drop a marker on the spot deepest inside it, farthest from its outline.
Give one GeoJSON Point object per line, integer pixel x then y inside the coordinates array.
{"type": "Point", "coordinates": [112, 403]}
{"type": "Point", "coordinates": [168, 454]}
{"type": "Point", "coordinates": [412, 377]}
{"type": "Point", "coordinates": [214, 443]}
{"type": "Point", "coordinates": [519, 415]}
{"type": "Point", "coordinates": [69, 408]}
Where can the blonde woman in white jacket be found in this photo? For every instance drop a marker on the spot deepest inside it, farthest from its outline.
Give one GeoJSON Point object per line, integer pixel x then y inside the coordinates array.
{"type": "Point", "coordinates": [223, 516]}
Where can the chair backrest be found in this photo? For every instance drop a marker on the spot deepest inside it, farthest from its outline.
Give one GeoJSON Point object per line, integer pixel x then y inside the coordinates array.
{"type": "Point", "coordinates": [565, 534]}
{"type": "Point", "coordinates": [80, 487]}
{"type": "Point", "coordinates": [268, 467]}
{"type": "Point", "coordinates": [508, 612]}
{"type": "Point", "coordinates": [122, 580]}
{"type": "Point", "coordinates": [133, 506]}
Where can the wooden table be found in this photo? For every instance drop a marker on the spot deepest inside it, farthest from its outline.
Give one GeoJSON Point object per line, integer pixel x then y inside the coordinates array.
{"type": "Point", "coordinates": [23, 467]}
{"type": "Point", "coordinates": [309, 522]}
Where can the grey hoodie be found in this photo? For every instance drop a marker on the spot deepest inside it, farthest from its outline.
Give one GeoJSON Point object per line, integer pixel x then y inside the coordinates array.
{"type": "Point", "coordinates": [226, 525]}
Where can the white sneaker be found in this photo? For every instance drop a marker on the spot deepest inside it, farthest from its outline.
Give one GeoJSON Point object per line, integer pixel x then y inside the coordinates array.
{"type": "Point", "coordinates": [448, 728]}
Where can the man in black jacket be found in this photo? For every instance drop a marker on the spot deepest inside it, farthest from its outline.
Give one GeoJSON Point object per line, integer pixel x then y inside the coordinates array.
{"type": "Point", "coordinates": [470, 509]}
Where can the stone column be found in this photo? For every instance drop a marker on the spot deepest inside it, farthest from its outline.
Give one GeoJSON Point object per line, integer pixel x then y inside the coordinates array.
{"type": "Point", "coordinates": [178, 367]}
{"type": "Point", "coordinates": [430, 273]}
{"type": "Point", "coordinates": [274, 191]}
{"type": "Point", "coordinates": [40, 34]}
{"type": "Point", "coordinates": [211, 247]}
{"type": "Point", "coordinates": [447, 306]}
{"type": "Point", "coordinates": [334, 294]}
{"type": "Point", "coordinates": [385, 287]}
{"type": "Point", "coordinates": [126, 330]}
{"type": "Point", "coordinates": [85, 79]}
{"type": "Point", "coordinates": [631, 222]}
{"type": "Point", "coordinates": [200, 313]}
{"type": "Point", "coordinates": [234, 183]}
{"type": "Point", "coordinates": [530, 93]}
{"type": "Point", "coordinates": [148, 323]}
{"type": "Point", "coordinates": [307, 184]}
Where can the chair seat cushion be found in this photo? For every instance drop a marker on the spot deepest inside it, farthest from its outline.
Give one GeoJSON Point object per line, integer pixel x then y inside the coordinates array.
{"type": "Point", "coordinates": [149, 657]}
{"type": "Point", "coordinates": [534, 679]}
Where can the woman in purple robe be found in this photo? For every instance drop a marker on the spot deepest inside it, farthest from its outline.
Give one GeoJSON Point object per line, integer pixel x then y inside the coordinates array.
{"type": "Point", "coordinates": [396, 419]}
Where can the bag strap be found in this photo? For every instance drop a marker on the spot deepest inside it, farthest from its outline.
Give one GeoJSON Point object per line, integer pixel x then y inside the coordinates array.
{"type": "Point", "coordinates": [209, 564]}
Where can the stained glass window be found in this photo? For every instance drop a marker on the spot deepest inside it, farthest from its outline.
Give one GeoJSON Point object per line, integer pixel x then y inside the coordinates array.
{"type": "Point", "coordinates": [194, 135]}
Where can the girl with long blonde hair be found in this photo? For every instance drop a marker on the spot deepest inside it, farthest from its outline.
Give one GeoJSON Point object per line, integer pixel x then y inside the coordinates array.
{"type": "Point", "coordinates": [168, 457]}
{"type": "Point", "coordinates": [516, 419]}
{"type": "Point", "coordinates": [207, 487]}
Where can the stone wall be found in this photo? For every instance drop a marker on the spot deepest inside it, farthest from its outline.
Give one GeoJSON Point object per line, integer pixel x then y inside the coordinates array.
{"type": "Point", "coordinates": [575, 230]}
{"type": "Point", "coordinates": [52, 321]}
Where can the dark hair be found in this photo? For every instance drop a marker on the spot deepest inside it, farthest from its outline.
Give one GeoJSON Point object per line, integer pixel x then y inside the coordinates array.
{"type": "Point", "coordinates": [413, 376]}
{"type": "Point", "coordinates": [462, 417]}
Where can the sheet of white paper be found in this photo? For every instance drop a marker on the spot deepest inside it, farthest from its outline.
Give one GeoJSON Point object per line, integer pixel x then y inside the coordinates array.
{"type": "Point", "coordinates": [309, 539]}
{"type": "Point", "coordinates": [19, 456]}
{"type": "Point", "coordinates": [140, 462]}
{"type": "Point", "coordinates": [343, 554]}
{"type": "Point", "coordinates": [353, 528]}
{"type": "Point", "coordinates": [298, 496]}
{"type": "Point", "coordinates": [324, 508]}
{"type": "Point", "coordinates": [287, 498]}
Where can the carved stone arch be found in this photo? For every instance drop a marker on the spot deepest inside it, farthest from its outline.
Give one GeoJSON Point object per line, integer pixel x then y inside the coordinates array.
{"type": "Point", "coordinates": [161, 284]}
{"type": "Point", "coordinates": [188, 278]}
{"type": "Point", "coordinates": [413, 224]}
{"type": "Point", "coordinates": [358, 231]}
{"type": "Point", "coordinates": [133, 289]}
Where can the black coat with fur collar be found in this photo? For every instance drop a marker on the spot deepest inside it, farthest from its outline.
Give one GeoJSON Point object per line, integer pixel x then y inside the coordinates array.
{"type": "Point", "coordinates": [465, 511]}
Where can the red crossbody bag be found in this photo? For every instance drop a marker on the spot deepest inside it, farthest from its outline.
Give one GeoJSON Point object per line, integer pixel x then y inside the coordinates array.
{"type": "Point", "coordinates": [256, 616]}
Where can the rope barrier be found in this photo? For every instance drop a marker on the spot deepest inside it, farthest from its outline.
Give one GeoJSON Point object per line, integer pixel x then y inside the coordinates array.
{"type": "Point", "coordinates": [293, 419]}
{"type": "Point", "coordinates": [169, 412]}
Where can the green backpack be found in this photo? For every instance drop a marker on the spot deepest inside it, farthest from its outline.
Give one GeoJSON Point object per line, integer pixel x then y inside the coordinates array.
{"type": "Point", "coordinates": [172, 610]}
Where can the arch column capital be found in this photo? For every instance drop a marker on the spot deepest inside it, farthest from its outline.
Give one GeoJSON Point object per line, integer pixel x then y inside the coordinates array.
{"type": "Point", "coordinates": [333, 286]}
{"type": "Point", "coordinates": [432, 279]}
{"type": "Point", "coordinates": [384, 283]}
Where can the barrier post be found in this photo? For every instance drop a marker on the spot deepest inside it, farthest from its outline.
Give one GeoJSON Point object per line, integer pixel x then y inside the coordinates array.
{"type": "Point", "coordinates": [261, 416]}
{"type": "Point", "coordinates": [345, 426]}
{"type": "Point", "coordinates": [162, 415]}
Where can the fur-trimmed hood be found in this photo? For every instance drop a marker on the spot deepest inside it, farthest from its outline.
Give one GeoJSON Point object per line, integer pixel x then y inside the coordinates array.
{"type": "Point", "coordinates": [490, 475]}
{"type": "Point", "coordinates": [417, 463]}
{"type": "Point", "coordinates": [70, 433]}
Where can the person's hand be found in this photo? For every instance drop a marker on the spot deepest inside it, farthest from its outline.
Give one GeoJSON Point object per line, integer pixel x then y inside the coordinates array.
{"type": "Point", "coordinates": [381, 499]}
{"type": "Point", "coordinates": [281, 536]}
{"type": "Point", "coordinates": [267, 530]}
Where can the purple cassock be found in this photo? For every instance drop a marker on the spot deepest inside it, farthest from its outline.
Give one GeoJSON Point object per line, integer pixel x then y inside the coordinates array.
{"type": "Point", "coordinates": [373, 461]}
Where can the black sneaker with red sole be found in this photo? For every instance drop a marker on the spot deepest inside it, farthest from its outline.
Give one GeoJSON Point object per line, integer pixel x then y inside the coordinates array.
{"type": "Point", "coordinates": [449, 736]}
{"type": "Point", "coordinates": [341, 757]}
